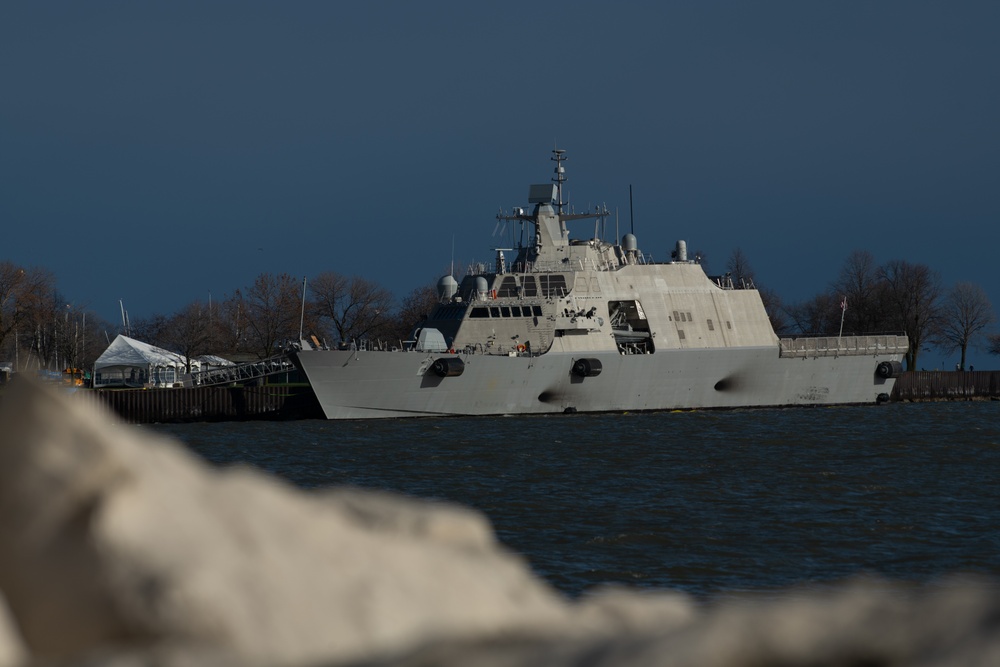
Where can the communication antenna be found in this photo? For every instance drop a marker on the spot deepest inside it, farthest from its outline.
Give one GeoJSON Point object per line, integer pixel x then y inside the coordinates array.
{"type": "Point", "coordinates": [631, 216]}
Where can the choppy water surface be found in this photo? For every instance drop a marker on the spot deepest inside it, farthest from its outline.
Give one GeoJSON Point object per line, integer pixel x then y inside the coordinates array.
{"type": "Point", "coordinates": [707, 502]}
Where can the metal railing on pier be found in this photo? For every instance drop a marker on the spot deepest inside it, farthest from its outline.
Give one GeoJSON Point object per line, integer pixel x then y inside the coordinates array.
{"type": "Point", "coordinates": [242, 373]}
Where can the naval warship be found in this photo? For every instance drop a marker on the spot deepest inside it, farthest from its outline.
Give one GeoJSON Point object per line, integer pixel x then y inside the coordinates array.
{"type": "Point", "coordinates": [560, 325]}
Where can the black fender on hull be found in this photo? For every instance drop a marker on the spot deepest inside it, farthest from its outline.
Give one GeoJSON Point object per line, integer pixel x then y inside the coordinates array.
{"type": "Point", "coordinates": [448, 367]}
{"type": "Point", "coordinates": [587, 368]}
{"type": "Point", "coordinates": [888, 369]}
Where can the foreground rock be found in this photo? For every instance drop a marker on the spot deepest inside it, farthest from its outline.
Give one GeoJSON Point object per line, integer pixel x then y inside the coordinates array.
{"type": "Point", "coordinates": [116, 537]}
{"type": "Point", "coordinates": [118, 547]}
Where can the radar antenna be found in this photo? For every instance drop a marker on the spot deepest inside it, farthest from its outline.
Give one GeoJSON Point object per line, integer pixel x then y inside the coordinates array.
{"type": "Point", "coordinates": [559, 156]}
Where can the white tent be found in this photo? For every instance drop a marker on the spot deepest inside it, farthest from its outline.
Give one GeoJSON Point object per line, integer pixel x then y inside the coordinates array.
{"type": "Point", "coordinates": [210, 361]}
{"type": "Point", "coordinates": [131, 363]}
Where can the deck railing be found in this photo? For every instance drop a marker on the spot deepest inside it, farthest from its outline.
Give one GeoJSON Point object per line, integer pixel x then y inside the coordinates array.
{"type": "Point", "coordinates": [833, 346]}
{"type": "Point", "coordinates": [240, 373]}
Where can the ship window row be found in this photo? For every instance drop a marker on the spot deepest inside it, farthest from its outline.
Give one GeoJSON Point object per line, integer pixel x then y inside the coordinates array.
{"type": "Point", "coordinates": [506, 311]}
{"type": "Point", "coordinates": [553, 285]}
{"type": "Point", "coordinates": [449, 312]}
{"type": "Point", "coordinates": [508, 288]}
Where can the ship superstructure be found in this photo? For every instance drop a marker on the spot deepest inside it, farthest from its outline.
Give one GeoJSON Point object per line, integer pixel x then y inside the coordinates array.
{"type": "Point", "coordinates": [561, 324]}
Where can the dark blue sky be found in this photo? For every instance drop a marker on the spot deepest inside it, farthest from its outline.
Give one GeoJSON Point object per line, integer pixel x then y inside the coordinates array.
{"type": "Point", "coordinates": [156, 153]}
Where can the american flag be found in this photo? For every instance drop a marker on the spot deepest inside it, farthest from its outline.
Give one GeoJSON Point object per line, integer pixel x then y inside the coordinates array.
{"type": "Point", "coordinates": [843, 304]}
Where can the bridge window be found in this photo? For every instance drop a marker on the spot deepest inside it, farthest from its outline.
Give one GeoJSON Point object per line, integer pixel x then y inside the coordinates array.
{"type": "Point", "coordinates": [449, 312]}
{"type": "Point", "coordinates": [553, 285]}
{"type": "Point", "coordinates": [528, 286]}
{"type": "Point", "coordinates": [508, 287]}
{"type": "Point", "coordinates": [480, 312]}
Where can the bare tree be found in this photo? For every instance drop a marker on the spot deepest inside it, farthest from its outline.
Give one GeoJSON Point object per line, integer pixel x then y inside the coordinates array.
{"type": "Point", "coordinates": [819, 315]}
{"type": "Point", "coordinates": [267, 313]}
{"type": "Point", "coordinates": [71, 337]}
{"type": "Point", "coordinates": [912, 295]}
{"type": "Point", "coordinates": [414, 307]}
{"type": "Point", "coordinates": [966, 312]}
{"type": "Point", "coordinates": [993, 343]}
{"type": "Point", "coordinates": [859, 283]}
{"type": "Point", "coordinates": [29, 318]}
{"type": "Point", "coordinates": [39, 329]}
{"type": "Point", "coordinates": [352, 307]}
{"type": "Point", "coordinates": [24, 304]}
{"type": "Point", "coordinates": [231, 327]}
{"type": "Point", "coordinates": [739, 268]}
{"type": "Point", "coordinates": [44, 319]}
{"type": "Point", "coordinates": [775, 311]}
{"type": "Point", "coordinates": [11, 280]}
{"type": "Point", "coordinates": [89, 334]}
{"type": "Point", "coordinates": [193, 331]}
{"type": "Point", "coordinates": [151, 329]}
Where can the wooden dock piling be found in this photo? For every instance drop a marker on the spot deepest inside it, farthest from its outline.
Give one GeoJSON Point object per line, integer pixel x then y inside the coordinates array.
{"type": "Point", "coordinates": [947, 385]}
{"type": "Point", "coordinates": [149, 406]}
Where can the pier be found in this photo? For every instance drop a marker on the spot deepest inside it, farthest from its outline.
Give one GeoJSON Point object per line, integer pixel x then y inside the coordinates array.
{"type": "Point", "coordinates": [205, 404]}
{"type": "Point", "coordinates": [947, 386]}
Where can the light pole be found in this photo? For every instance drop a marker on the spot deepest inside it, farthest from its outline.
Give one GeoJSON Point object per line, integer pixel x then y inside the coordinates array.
{"type": "Point", "coordinates": [66, 337]}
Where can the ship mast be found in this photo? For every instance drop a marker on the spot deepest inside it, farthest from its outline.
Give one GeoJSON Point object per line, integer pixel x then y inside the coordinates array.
{"type": "Point", "coordinates": [559, 156]}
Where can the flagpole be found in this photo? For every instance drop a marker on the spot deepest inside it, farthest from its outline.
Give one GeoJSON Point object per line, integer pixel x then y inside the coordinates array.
{"type": "Point", "coordinates": [843, 311]}
{"type": "Point", "coordinates": [302, 317]}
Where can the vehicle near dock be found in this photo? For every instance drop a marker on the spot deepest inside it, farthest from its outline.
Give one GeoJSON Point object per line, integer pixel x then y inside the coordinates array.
{"type": "Point", "coordinates": [560, 324]}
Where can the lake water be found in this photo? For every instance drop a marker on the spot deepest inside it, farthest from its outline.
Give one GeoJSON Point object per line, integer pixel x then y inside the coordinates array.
{"type": "Point", "coordinates": [709, 502]}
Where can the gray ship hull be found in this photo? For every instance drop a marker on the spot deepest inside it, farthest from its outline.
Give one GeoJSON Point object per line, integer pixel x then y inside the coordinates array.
{"type": "Point", "coordinates": [366, 384]}
{"type": "Point", "coordinates": [585, 325]}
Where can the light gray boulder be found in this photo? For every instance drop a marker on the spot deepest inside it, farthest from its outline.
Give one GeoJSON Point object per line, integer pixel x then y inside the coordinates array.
{"type": "Point", "coordinates": [115, 537]}
{"type": "Point", "coordinates": [12, 651]}
{"type": "Point", "coordinates": [857, 623]}
{"type": "Point", "coordinates": [119, 548]}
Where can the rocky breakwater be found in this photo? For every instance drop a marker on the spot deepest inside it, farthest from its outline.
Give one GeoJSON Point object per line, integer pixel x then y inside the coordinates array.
{"type": "Point", "coordinates": [118, 547]}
